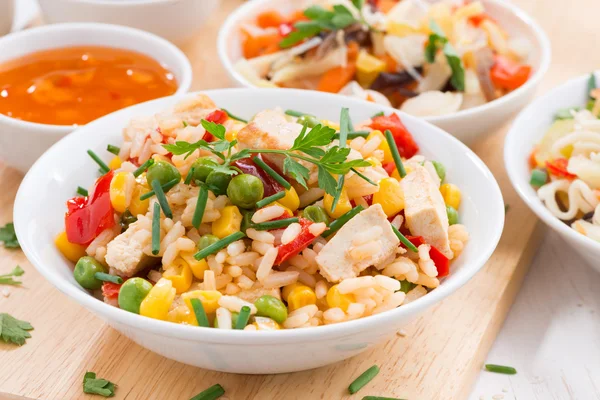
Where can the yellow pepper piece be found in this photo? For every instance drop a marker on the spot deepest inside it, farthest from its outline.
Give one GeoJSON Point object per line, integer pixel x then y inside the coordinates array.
{"type": "Point", "coordinates": [301, 296]}
{"type": "Point", "coordinates": [390, 196]}
{"type": "Point", "coordinates": [566, 151]}
{"type": "Point", "coordinates": [209, 299]}
{"type": "Point", "coordinates": [115, 163]}
{"type": "Point", "coordinates": [291, 201]}
{"type": "Point", "coordinates": [197, 266]}
{"type": "Point", "coordinates": [331, 124]}
{"type": "Point", "coordinates": [137, 206]}
{"type": "Point", "coordinates": [72, 251]}
{"type": "Point", "coordinates": [265, 324]}
{"type": "Point", "coordinates": [387, 153]}
{"type": "Point", "coordinates": [121, 188]}
{"type": "Point", "coordinates": [180, 274]}
{"type": "Point", "coordinates": [336, 299]}
{"type": "Point", "coordinates": [400, 29]}
{"type": "Point", "coordinates": [158, 301]}
{"type": "Point", "coordinates": [451, 194]}
{"type": "Point", "coordinates": [231, 135]}
{"type": "Point", "coordinates": [182, 315]}
{"type": "Point", "coordinates": [368, 68]}
{"type": "Point", "coordinates": [343, 205]}
{"type": "Point", "coordinates": [276, 203]}
{"type": "Point", "coordinates": [229, 222]}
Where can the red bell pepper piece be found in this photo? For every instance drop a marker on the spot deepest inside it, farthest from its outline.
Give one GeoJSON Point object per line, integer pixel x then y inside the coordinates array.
{"type": "Point", "coordinates": [507, 74]}
{"type": "Point", "coordinates": [111, 290]}
{"type": "Point", "coordinates": [218, 117]}
{"type": "Point", "coordinates": [88, 216]}
{"type": "Point", "coordinates": [301, 242]}
{"type": "Point", "coordinates": [389, 167]}
{"type": "Point", "coordinates": [247, 166]}
{"type": "Point", "coordinates": [558, 167]}
{"type": "Point", "coordinates": [404, 141]}
{"type": "Point", "coordinates": [442, 263]}
{"type": "Point", "coordinates": [285, 29]}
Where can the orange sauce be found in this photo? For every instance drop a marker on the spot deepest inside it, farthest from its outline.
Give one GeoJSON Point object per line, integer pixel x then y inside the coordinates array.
{"type": "Point", "coordinates": [75, 85]}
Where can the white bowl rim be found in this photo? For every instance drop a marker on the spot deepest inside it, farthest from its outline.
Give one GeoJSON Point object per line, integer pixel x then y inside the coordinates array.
{"type": "Point", "coordinates": [521, 184]}
{"type": "Point", "coordinates": [30, 34]}
{"type": "Point", "coordinates": [540, 35]}
{"type": "Point", "coordinates": [170, 329]}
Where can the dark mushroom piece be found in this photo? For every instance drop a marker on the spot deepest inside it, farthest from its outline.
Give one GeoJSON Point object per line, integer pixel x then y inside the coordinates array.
{"type": "Point", "coordinates": [392, 81]}
{"type": "Point", "coordinates": [484, 61]}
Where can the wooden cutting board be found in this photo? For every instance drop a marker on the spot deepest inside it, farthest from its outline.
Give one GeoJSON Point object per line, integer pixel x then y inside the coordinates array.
{"type": "Point", "coordinates": [438, 358]}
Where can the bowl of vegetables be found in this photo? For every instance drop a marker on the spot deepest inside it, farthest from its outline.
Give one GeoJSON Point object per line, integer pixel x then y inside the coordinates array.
{"type": "Point", "coordinates": [466, 69]}
{"type": "Point", "coordinates": [281, 224]}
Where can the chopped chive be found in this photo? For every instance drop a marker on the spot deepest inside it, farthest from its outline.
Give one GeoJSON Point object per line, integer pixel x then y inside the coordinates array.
{"type": "Point", "coordinates": [82, 191]}
{"type": "Point", "coordinates": [295, 113]}
{"type": "Point", "coordinates": [501, 369]}
{"type": "Point", "coordinates": [270, 199]}
{"type": "Point", "coordinates": [395, 154]}
{"type": "Point", "coordinates": [341, 221]}
{"type": "Point", "coordinates": [591, 84]}
{"type": "Point", "coordinates": [101, 276]}
{"type": "Point", "coordinates": [506, 208]}
{"type": "Point", "coordinates": [539, 177]}
{"type": "Point", "coordinates": [565, 113]}
{"type": "Point", "coordinates": [406, 286]}
{"type": "Point", "coordinates": [349, 124]}
{"type": "Point", "coordinates": [212, 393]}
{"type": "Point", "coordinates": [235, 116]}
{"type": "Point", "coordinates": [103, 167]}
{"type": "Point", "coordinates": [344, 126]}
{"type": "Point", "coordinates": [166, 187]}
{"type": "Point", "coordinates": [272, 173]}
{"type": "Point", "coordinates": [379, 114]}
{"type": "Point", "coordinates": [352, 135]}
{"type": "Point", "coordinates": [363, 379]}
{"type": "Point", "coordinates": [363, 177]}
{"type": "Point", "coordinates": [221, 244]}
{"type": "Point", "coordinates": [156, 229]}
{"type": "Point", "coordinates": [280, 223]}
{"type": "Point", "coordinates": [113, 149]}
{"type": "Point", "coordinates": [338, 192]}
{"type": "Point", "coordinates": [189, 176]}
{"type": "Point", "coordinates": [200, 207]}
{"type": "Point", "coordinates": [380, 398]}
{"type": "Point", "coordinates": [143, 167]}
{"type": "Point", "coordinates": [185, 124]}
{"type": "Point", "coordinates": [243, 317]}
{"type": "Point", "coordinates": [162, 199]}
{"type": "Point", "coordinates": [199, 312]}
{"type": "Point", "coordinates": [404, 240]}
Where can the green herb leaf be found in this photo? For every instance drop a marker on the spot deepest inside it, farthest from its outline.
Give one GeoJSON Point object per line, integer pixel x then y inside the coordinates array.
{"type": "Point", "coordinates": [437, 39]}
{"type": "Point", "coordinates": [591, 84]}
{"type": "Point", "coordinates": [343, 17]}
{"type": "Point", "coordinates": [8, 236]}
{"type": "Point", "coordinates": [8, 279]}
{"type": "Point", "coordinates": [13, 330]}
{"type": "Point", "coordinates": [458, 70]}
{"type": "Point", "coordinates": [296, 170]}
{"type": "Point", "coordinates": [358, 4]}
{"type": "Point", "coordinates": [102, 387]}
{"type": "Point", "coordinates": [318, 13]}
{"type": "Point", "coordinates": [186, 148]}
{"type": "Point", "coordinates": [217, 130]}
{"type": "Point", "coordinates": [320, 135]}
{"type": "Point", "coordinates": [303, 31]}
{"type": "Point", "coordinates": [327, 182]}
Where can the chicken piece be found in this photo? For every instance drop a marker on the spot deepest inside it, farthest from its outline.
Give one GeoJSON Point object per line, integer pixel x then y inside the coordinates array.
{"type": "Point", "coordinates": [365, 240]}
{"type": "Point", "coordinates": [425, 210]}
{"type": "Point", "coordinates": [125, 253]}
{"type": "Point", "coordinates": [190, 109]}
{"type": "Point", "coordinates": [256, 291]}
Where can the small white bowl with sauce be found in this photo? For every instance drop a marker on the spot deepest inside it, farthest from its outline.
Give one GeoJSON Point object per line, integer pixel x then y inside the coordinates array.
{"type": "Point", "coordinates": [22, 142]}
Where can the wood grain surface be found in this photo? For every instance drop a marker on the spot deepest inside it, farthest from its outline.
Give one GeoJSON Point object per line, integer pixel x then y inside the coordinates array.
{"type": "Point", "coordinates": [439, 358]}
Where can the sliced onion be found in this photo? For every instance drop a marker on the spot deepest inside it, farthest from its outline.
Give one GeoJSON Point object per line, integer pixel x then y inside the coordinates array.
{"type": "Point", "coordinates": [433, 103]}
{"type": "Point", "coordinates": [408, 51]}
{"type": "Point", "coordinates": [484, 61]}
{"type": "Point", "coordinates": [437, 74]}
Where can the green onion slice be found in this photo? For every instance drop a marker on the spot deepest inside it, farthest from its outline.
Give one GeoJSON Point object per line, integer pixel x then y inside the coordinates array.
{"type": "Point", "coordinates": [189, 176]}
{"type": "Point", "coordinates": [103, 167]}
{"type": "Point", "coordinates": [166, 187]}
{"type": "Point", "coordinates": [185, 124]}
{"type": "Point", "coordinates": [162, 199]}
{"type": "Point", "coordinates": [501, 369]}
{"type": "Point", "coordinates": [277, 224]}
{"type": "Point", "coordinates": [200, 207]}
{"type": "Point", "coordinates": [101, 276]}
{"type": "Point", "coordinates": [113, 149]}
{"type": "Point", "coordinates": [379, 114]}
{"type": "Point", "coordinates": [338, 192]}
{"type": "Point", "coordinates": [395, 154]}
{"type": "Point", "coordinates": [404, 240]}
{"type": "Point", "coordinates": [270, 199]}
{"type": "Point", "coordinates": [341, 221]}
{"type": "Point", "coordinates": [82, 191]}
{"type": "Point", "coordinates": [199, 312]}
{"type": "Point", "coordinates": [156, 229]}
{"type": "Point", "coordinates": [344, 126]}
{"type": "Point", "coordinates": [363, 177]}
{"type": "Point", "coordinates": [539, 177]}
{"type": "Point", "coordinates": [295, 113]}
{"type": "Point", "coordinates": [230, 115]}
{"type": "Point", "coordinates": [363, 379]}
{"type": "Point", "coordinates": [272, 173]}
{"type": "Point", "coordinates": [143, 167]}
{"type": "Point", "coordinates": [221, 244]}
{"type": "Point", "coordinates": [243, 317]}
{"type": "Point", "coordinates": [352, 135]}
{"type": "Point", "coordinates": [212, 393]}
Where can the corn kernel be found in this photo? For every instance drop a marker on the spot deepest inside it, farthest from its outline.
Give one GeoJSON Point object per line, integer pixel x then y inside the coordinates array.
{"type": "Point", "coordinates": [390, 196]}
{"type": "Point", "coordinates": [387, 153]}
{"type": "Point", "coordinates": [337, 299]}
{"type": "Point", "coordinates": [72, 251]}
{"type": "Point", "coordinates": [265, 324]}
{"type": "Point", "coordinates": [231, 135]}
{"type": "Point", "coordinates": [182, 315]}
{"type": "Point", "coordinates": [121, 190]}
{"type": "Point", "coordinates": [343, 205]}
{"type": "Point", "coordinates": [451, 194]}
{"type": "Point", "coordinates": [197, 266]}
{"type": "Point", "coordinates": [291, 201]}
{"type": "Point", "coordinates": [180, 274]}
{"type": "Point", "coordinates": [137, 206]}
{"type": "Point", "coordinates": [368, 68]}
{"type": "Point", "coordinates": [374, 161]}
{"type": "Point", "coordinates": [331, 124]}
{"type": "Point", "coordinates": [158, 301]}
{"type": "Point", "coordinates": [209, 299]}
{"type": "Point", "coordinates": [115, 163]}
{"type": "Point", "coordinates": [229, 222]}
{"type": "Point", "coordinates": [301, 296]}
{"type": "Point", "coordinates": [285, 292]}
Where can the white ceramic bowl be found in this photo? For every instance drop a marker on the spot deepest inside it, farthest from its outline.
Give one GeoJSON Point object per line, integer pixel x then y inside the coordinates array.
{"type": "Point", "coordinates": [466, 125]}
{"type": "Point", "coordinates": [174, 20]}
{"type": "Point", "coordinates": [22, 142]}
{"type": "Point", "coordinates": [527, 130]}
{"type": "Point", "coordinates": [52, 179]}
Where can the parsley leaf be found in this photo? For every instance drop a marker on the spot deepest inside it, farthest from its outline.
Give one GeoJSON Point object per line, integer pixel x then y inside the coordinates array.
{"type": "Point", "coordinates": [327, 182]}
{"type": "Point", "coordinates": [437, 39]}
{"type": "Point", "coordinates": [303, 31]}
{"type": "Point", "coordinates": [358, 4]}
{"type": "Point", "coordinates": [14, 330]}
{"type": "Point", "coordinates": [7, 279]}
{"type": "Point", "coordinates": [102, 387]}
{"type": "Point", "coordinates": [320, 135]}
{"type": "Point", "coordinates": [296, 170]}
{"type": "Point", "coordinates": [217, 130]}
{"type": "Point", "coordinates": [186, 148]}
{"type": "Point", "coordinates": [8, 236]}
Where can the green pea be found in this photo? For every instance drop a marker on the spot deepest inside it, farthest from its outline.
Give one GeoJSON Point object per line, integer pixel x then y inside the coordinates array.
{"type": "Point", "coordinates": [203, 167]}
{"type": "Point", "coordinates": [308, 120]}
{"type": "Point", "coordinates": [316, 214]}
{"type": "Point", "coordinates": [84, 272]}
{"type": "Point", "coordinates": [132, 293]}
{"type": "Point", "coordinates": [246, 220]}
{"type": "Point", "coordinates": [440, 169]}
{"type": "Point", "coordinates": [245, 190]}
{"type": "Point", "coordinates": [207, 240]}
{"type": "Point", "coordinates": [272, 307]}
{"type": "Point", "coordinates": [452, 215]}
{"type": "Point", "coordinates": [218, 182]}
{"type": "Point", "coordinates": [163, 171]}
{"type": "Point", "coordinates": [234, 318]}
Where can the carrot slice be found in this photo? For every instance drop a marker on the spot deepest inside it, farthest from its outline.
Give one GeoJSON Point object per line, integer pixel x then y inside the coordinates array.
{"type": "Point", "coordinates": [353, 49]}
{"type": "Point", "coordinates": [336, 78]}
{"type": "Point", "coordinates": [270, 19]}
{"type": "Point", "coordinates": [254, 46]}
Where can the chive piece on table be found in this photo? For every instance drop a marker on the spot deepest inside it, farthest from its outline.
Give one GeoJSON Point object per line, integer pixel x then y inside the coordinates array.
{"type": "Point", "coordinates": [104, 277]}
{"type": "Point", "coordinates": [380, 398]}
{"type": "Point", "coordinates": [143, 167]}
{"type": "Point", "coordinates": [404, 240]}
{"type": "Point", "coordinates": [243, 317]}
{"type": "Point", "coordinates": [338, 223]}
{"type": "Point", "coordinates": [189, 176]}
{"type": "Point", "coordinates": [199, 312]}
{"type": "Point", "coordinates": [166, 187]}
{"type": "Point", "coordinates": [221, 244]}
{"type": "Point", "coordinates": [232, 116]}
{"type": "Point", "coordinates": [113, 149]}
{"type": "Point", "coordinates": [200, 207]}
{"type": "Point", "coordinates": [103, 167]}
{"type": "Point", "coordinates": [363, 379]}
{"type": "Point", "coordinates": [212, 393]}
{"type": "Point", "coordinates": [162, 199]}
{"type": "Point", "coordinates": [295, 113]}
{"type": "Point", "coordinates": [501, 369]}
{"type": "Point", "coordinates": [277, 224]}
{"type": "Point", "coordinates": [270, 199]}
{"type": "Point", "coordinates": [363, 176]}
{"type": "Point", "coordinates": [272, 173]}
{"type": "Point", "coordinates": [539, 177]}
{"type": "Point", "coordinates": [379, 114]}
{"type": "Point", "coordinates": [395, 154]}
{"type": "Point", "coordinates": [156, 229]}
{"type": "Point", "coordinates": [82, 191]}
